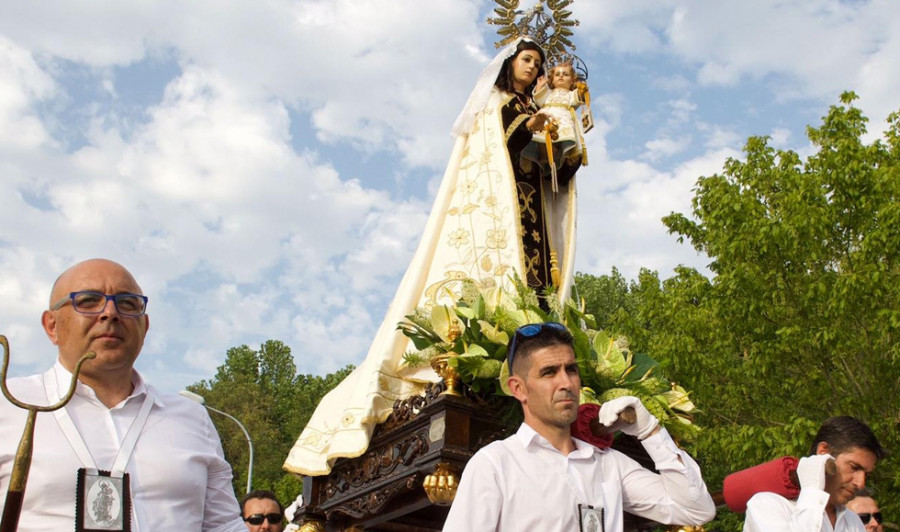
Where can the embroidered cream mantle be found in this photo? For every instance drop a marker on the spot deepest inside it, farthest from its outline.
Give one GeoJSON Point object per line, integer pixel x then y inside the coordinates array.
{"type": "Point", "coordinates": [472, 232]}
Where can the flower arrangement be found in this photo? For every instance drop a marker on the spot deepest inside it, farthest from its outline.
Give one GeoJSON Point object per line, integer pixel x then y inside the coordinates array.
{"type": "Point", "coordinates": [475, 330]}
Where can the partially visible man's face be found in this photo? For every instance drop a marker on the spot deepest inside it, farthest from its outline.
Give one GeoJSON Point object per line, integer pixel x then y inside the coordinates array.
{"type": "Point", "coordinates": [264, 507]}
{"type": "Point", "coordinates": [853, 466]}
{"type": "Point", "coordinates": [116, 339]}
{"type": "Point", "coordinates": [866, 505]}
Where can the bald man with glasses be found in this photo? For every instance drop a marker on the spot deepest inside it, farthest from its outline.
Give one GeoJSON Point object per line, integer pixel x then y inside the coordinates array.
{"type": "Point", "coordinates": [121, 455]}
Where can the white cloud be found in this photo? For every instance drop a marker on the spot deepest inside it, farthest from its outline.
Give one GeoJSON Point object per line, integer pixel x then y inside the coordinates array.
{"type": "Point", "coordinates": [801, 49]}
{"type": "Point", "coordinates": [241, 234]}
{"type": "Point", "coordinates": [719, 136]}
{"type": "Point", "coordinates": [629, 26]}
{"type": "Point", "coordinates": [780, 137]}
{"type": "Point", "coordinates": [620, 219]}
{"type": "Point", "coordinates": [664, 147]}
{"type": "Point", "coordinates": [22, 84]}
{"type": "Point", "coordinates": [815, 45]}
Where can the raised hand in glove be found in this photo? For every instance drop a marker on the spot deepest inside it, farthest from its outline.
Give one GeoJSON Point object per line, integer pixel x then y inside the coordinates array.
{"type": "Point", "coordinates": [644, 424]}
{"type": "Point", "coordinates": [811, 471]}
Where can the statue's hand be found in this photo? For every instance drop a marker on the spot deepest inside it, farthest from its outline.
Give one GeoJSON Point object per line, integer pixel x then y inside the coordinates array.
{"type": "Point", "coordinates": [537, 122]}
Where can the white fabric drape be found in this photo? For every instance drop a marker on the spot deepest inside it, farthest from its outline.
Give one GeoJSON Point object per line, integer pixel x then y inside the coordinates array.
{"type": "Point", "coordinates": [472, 232]}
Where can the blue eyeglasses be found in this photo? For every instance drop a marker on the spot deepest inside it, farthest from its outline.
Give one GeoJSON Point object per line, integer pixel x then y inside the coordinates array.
{"type": "Point", "coordinates": [528, 331]}
{"type": "Point", "coordinates": [91, 303]}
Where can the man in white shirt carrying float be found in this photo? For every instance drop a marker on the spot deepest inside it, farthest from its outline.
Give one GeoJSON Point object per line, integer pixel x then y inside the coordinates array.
{"type": "Point", "coordinates": [543, 479]}
{"type": "Point", "coordinates": [120, 455]}
{"type": "Point", "coordinates": [854, 449]}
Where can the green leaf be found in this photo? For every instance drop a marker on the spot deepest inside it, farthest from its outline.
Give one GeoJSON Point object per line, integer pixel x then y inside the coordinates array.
{"type": "Point", "coordinates": [493, 333]}
{"type": "Point", "coordinates": [446, 323]}
{"type": "Point", "coordinates": [610, 360]}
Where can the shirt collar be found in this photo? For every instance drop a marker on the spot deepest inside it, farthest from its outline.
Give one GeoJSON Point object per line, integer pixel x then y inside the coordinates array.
{"type": "Point", "coordinates": [530, 438]}
{"type": "Point", "coordinates": [64, 378]}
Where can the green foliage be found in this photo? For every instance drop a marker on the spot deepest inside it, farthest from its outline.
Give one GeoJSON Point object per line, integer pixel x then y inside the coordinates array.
{"type": "Point", "coordinates": [799, 320]}
{"type": "Point", "coordinates": [261, 388]}
{"type": "Point", "coordinates": [477, 328]}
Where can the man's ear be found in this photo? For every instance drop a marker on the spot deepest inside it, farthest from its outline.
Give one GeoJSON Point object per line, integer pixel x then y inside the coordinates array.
{"type": "Point", "coordinates": [517, 387]}
{"type": "Point", "coordinates": [48, 320]}
{"type": "Point", "coordinates": [823, 448]}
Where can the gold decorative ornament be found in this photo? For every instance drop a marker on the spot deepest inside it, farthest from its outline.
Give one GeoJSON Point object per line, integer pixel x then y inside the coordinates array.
{"type": "Point", "coordinates": [312, 526]}
{"type": "Point", "coordinates": [440, 365]}
{"type": "Point", "coordinates": [535, 24]}
{"type": "Point", "coordinates": [440, 486]}
{"type": "Point", "coordinates": [686, 528]}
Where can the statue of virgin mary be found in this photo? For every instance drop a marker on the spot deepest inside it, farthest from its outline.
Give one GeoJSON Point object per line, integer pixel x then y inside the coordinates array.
{"type": "Point", "coordinates": [494, 217]}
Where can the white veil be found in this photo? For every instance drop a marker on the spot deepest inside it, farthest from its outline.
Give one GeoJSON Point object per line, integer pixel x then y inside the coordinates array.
{"type": "Point", "coordinates": [480, 95]}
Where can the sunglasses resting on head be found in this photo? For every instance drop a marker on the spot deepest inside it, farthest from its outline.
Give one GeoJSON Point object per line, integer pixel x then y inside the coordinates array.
{"type": "Point", "coordinates": [527, 331]}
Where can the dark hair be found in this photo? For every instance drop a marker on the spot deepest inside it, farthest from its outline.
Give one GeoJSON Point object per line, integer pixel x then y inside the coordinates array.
{"type": "Point", "coordinates": [261, 494]}
{"type": "Point", "coordinates": [550, 334]}
{"type": "Point", "coordinates": [504, 80]}
{"type": "Point", "coordinates": [844, 433]}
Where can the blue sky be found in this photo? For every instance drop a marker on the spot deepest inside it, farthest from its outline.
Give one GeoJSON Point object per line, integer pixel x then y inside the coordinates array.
{"type": "Point", "coordinates": [265, 168]}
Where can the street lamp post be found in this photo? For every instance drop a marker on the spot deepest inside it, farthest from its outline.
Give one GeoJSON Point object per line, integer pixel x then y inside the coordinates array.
{"type": "Point", "coordinates": [199, 399]}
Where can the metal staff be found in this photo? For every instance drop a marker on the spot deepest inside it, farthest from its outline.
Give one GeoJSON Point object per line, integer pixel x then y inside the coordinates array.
{"type": "Point", "coordinates": [22, 464]}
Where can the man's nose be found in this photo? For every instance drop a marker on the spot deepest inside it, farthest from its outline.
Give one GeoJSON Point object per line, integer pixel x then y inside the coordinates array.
{"type": "Point", "coordinates": [110, 310]}
{"type": "Point", "coordinates": [567, 381]}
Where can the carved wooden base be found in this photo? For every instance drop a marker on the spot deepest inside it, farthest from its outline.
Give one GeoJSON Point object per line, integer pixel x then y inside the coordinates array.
{"type": "Point", "coordinates": [430, 436]}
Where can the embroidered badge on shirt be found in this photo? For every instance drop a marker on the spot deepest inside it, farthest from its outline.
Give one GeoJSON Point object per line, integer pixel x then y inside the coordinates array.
{"type": "Point", "coordinates": [590, 519]}
{"type": "Point", "coordinates": [102, 502]}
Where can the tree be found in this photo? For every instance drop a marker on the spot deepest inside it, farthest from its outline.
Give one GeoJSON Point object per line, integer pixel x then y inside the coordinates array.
{"type": "Point", "coordinates": [261, 388]}
{"type": "Point", "coordinates": [799, 321]}
{"type": "Point", "coordinates": [617, 304]}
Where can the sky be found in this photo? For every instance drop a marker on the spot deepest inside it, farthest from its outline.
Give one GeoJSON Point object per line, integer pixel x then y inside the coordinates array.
{"type": "Point", "coordinates": [265, 168]}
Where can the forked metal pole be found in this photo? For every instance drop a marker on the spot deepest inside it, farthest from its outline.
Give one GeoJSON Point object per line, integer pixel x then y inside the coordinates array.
{"type": "Point", "coordinates": [22, 464]}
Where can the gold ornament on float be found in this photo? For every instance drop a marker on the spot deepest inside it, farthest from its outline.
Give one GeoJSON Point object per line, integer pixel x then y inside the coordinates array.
{"type": "Point", "coordinates": [440, 486]}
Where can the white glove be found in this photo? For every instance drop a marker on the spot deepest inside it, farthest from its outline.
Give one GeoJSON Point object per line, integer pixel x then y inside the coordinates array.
{"type": "Point", "coordinates": [641, 428]}
{"type": "Point", "coordinates": [811, 471]}
{"type": "Point", "coordinates": [291, 511]}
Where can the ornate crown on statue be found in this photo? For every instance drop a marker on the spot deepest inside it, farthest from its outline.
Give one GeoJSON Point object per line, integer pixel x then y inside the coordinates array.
{"type": "Point", "coordinates": [551, 31]}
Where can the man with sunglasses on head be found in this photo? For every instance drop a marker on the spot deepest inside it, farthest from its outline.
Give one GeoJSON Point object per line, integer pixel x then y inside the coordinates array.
{"type": "Point", "coordinates": [854, 450]}
{"type": "Point", "coordinates": [262, 512]}
{"type": "Point", "coordinates": [866, 508]}
{"type": "Point", "coordinates": [120, 455]}
{"type": "Point", "coordinates": [541, 478]}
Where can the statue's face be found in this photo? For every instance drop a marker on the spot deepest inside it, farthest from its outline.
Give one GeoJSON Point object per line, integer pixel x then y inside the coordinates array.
{"type": "Point", "coordinates": [525, 68]}
{"type": "Point", "coordinates": [563, 77]}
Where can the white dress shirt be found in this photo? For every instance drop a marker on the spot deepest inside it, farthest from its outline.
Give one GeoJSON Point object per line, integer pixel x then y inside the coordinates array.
{"type": "Point", "coordinates": [769, 512]}
{"type": "Point", "coordinates": [179, 477]}
{"type": "Point", "coordinates": [524, 483]}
